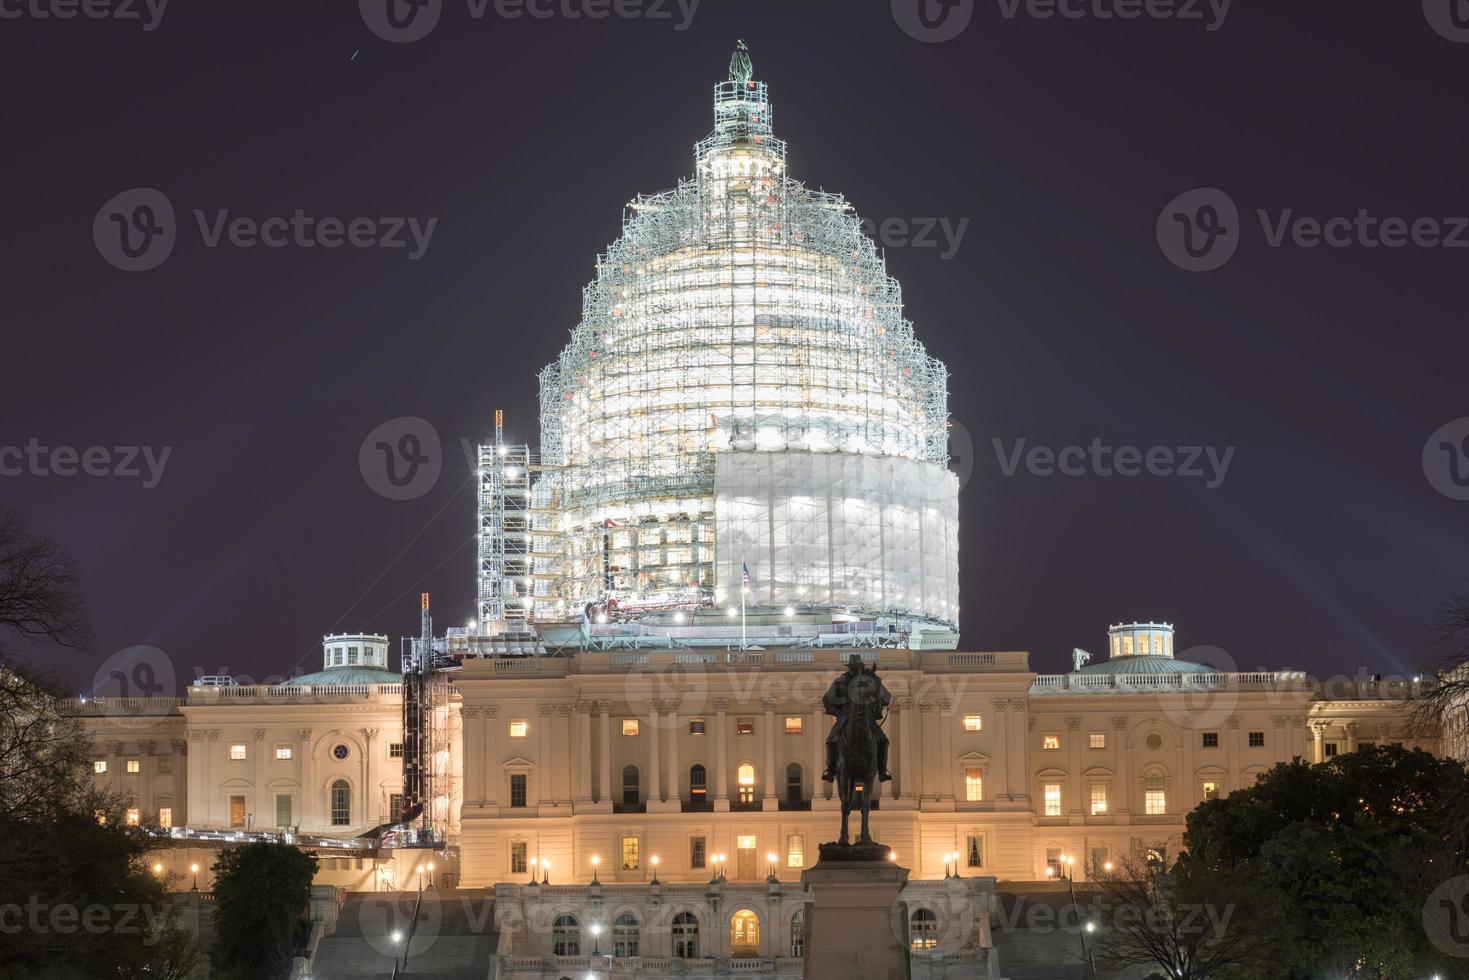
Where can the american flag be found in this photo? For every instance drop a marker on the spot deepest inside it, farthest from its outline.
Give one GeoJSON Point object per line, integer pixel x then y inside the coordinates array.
{"type": "Point", "coordinates": [746, 573]}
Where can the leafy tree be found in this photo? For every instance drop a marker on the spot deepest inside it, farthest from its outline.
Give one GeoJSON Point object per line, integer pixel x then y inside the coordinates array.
{"type": "Point", "coordinates": [1191, 922]}
{"type": "Point", "coordinates": [1352, 848]}
{"type": "Point", "coordinates": [262, 898]}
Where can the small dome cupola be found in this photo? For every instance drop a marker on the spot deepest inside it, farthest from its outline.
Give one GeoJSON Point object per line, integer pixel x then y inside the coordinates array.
{"type": "Point", "coordinates": [1140, 640]}
{"type": "Point", "coordinates": [354, 650]}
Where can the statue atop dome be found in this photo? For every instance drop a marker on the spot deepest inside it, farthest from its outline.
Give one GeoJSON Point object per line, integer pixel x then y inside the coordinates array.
{"type": "Point", "coordinates": [740, 68]}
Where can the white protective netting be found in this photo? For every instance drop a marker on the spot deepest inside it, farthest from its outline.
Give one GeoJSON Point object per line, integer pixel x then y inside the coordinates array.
{"type": "Point", "coordinates": [838, 530]}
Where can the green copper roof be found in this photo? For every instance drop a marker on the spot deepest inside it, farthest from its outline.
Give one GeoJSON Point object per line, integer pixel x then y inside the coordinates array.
{"type": "Point", "coordinates": [1147, 665]}
{"type": "Point", "coordinates": [340, 676]}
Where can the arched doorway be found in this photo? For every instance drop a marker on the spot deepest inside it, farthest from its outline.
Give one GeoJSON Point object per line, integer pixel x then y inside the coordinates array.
{"type": "Point", "coordinates": [744, 934]}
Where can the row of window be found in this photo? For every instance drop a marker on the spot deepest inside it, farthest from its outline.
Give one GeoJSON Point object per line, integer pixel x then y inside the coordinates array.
{"type": "Point", "coordinates": [698, 784]}
{"type": "Point", "coordinates": [794, 725]}
{"type": "Point", "coordinates": [339, 800]}
{"type": "Point", "coordinates": [164, 765]}
{"type": "Point", "coordinates": [744, 935]}
{"type": "Point", "coordinates": [1098, 740]}
{"type": "Point", "coordinates": [1155, 796]}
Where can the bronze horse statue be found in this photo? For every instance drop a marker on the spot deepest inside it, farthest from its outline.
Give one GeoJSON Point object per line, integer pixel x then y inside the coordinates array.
{"type": "Point", "coordinates": [857, 747]}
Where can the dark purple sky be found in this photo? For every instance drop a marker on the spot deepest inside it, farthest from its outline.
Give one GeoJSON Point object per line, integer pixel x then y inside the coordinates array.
{"type": "Point", "coordinates": [1060, 141]}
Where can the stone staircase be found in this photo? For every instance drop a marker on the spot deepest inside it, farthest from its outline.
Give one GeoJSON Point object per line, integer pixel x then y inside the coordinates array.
{"type": "Point", "coordinates": [454, 939]}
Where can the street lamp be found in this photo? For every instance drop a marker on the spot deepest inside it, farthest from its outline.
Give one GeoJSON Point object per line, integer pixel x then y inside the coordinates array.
{"type": "Point", "coordinates": [533, 863]}
{"type": "Point", "coordinates": [654, 862]}
{"type": "Point", "coordinates": [1068, 871]}
{"type": "Point", "coordinates": [596, 932]}
{"type": "Point", "coordinates": [157, 868]}
{"type": "Point", "coordinates": [596, 860]}
{"type": "Point", "coordinates": [770, 859]}
{"type": "Point", "coordinates": [194, 868]}
{"type": "Point", "coordinates": [545, 872]}
{"type": "Point", "coordinates": [956, 865]}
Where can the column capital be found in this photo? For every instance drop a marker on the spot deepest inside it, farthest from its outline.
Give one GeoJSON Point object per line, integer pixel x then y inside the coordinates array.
{"type": "Point", "coordinates": [259, 734]}
{"type": "Point", "coordinates": [1319, 727]}
{"type": "Point", "coordinates": [305, 733]}
{"type": "Point", "coordinates": [604, 706]}
{"type": "Point", "coordinates": [180, 746]}
{"type": "Point", "coordinates": [563, 710]}
{"type": "Point", "coordinates": [721, 705]}
{"type": "Point", "coordinates": [944, 705]}
{"type": "Point", "coordinates": [147, 746]}
{"type": "Point", "coordinates": [369, 733]}
{"type": "Point", "coordinates": [490, 710]}
{"type": "Point", "coordinates": [214, 734]}
{"type": "Point", "coordinates": [925, 706]}
{"type": "Point", "coordinates": [584, 706]}
{"type": "Point", "coordinates": [1119, 724]}
{"type": "Point", "coordinates": [1233, 722]}
{"type": "Point", "coordinates": [1280, 721]}
{"type": "Point", "coordinates": [545, 710]}
{"type": "Point", "coordinates": [1350, 727]}
{"type": "Point", "coordinates": [769, 704]}
{"type": "Point", "coordinates": [901, 701]}
{"type": "Point", "coordinates": [1073, 724]}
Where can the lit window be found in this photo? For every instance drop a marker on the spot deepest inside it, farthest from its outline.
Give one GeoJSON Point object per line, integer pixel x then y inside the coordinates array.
{"type": "Point", "coordinates": [1257, 740]}
{"type": "Point", "coordinates": [99, 766]}
{"type": "Point", "coordinates": [795, 851]}
{"type": "Point", "coordinates": [283, 753]}
{"type": "Point", "coordinates": [566, 936]}
{"type": "Point", "coordinates": [1155, 799]}
{"type": "Point", "coordinates": [973, 723]}
{"type": "Point", "coordinates": [1050, 742]}
{"type": "Point", "coordinates": [165, 816]}
{"type": "Point", "coordinates": [132, 816]}
{"type": "Point", "coordinates": [974, 851]}
{"type": "Point", "coordinates": [631, 854]}
{"type": "Point", "coordinates": [1097, 740]}
{"type": "Point", "coordinates": [1211, 790]}
{"type": "Point", "coordinates": [1052, 794]}
{"type": "Point", "coordinates": [395, 807]}
{"type": "Point", "coordinates": [517, 857]}
{"type": "Point", "coordinates": [1127, 645]}
{"type": "Point", "coordinates": [1099, 799]}
{"type": "Point", "coordinates": [794, 725]}
{"type": "Point", "coordinates": [519, 729]}
{"type": "Point", "coordinates": [625, 938]}
{"type": "Point", "coordinates": [1211, 740]}
{"type": "Point", "coordinates": [696, 726]}
{"type": "Point", "coordinates": [973, 785]}
{"type": "Point", "coordinates": [1142, 644]}
{"type": "Point", "coordinates": [629, 726]}
{"type": "Point", "coordinates": [237, 752]}
{"type": "Point", "coordinates": [745, 726]}
{"type": "Point", "coordinates": [923, 929]}
{"type": "Point", "coordinates": [133, 766]}
{"type": "Point", "coordinates": [798, 933]}
{"type": "Point", "coordinates": [395, 750]}
{"type": "Point", "coordinates": [745, 777]}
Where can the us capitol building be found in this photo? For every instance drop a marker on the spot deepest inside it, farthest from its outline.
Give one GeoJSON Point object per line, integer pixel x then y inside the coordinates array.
{"type": "Point", "coordinates": [741, 481]}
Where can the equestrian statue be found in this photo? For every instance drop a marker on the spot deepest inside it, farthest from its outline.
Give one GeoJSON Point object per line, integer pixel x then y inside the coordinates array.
{"type": "Point", "coordinates": [856, 752]}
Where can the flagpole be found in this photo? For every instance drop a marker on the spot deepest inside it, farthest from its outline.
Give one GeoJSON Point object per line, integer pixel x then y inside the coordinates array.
{"type": "Point", "coordinates": [744, 587]}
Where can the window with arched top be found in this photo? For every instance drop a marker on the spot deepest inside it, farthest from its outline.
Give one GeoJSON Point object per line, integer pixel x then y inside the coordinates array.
{"type": "Point", "coordinates": [566, 936]}
{"type": "Point", "coordinates": [798, 933]}
{"type": "Point", "coordinates": [625, 935]}
{"type": "Point", "coordinates": [793, 783]}
{"type": "Point", "coordinates": [630, 788]}
{"type": "Point", "coordinates": [686, 936]}
{"type": "Point", "coordinates": [744, 934]}
{"type": "Point", "coordinates": [698, 783]}
{"type": "Point", "coordinates": [745, 780]}
{"type": "Point", "coordinates": [1155, 792]}
{"type": "Point", "coordinates": [923, 929]}
{"type": "Point", "coordinates": [341, 803]}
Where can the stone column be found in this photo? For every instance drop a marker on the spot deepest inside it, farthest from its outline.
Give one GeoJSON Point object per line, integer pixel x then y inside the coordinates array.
{"type": "Point", "coordinates": [211, 776]}
{"type": "Point", "coordinates": [771, 801]}
{"type": "Point", "coordinates": [1282, 738]}
{"type": "Point", "coordinates": [721, 764]}
{"type": "Point", "coordinates": [925, 709]}
{"type": "Point", "coordinates": [1075, 785]}
{"type": "Point", "coordinates": [308, 777]}
{"type": "Point", "coordinates": [1318, 734]}
{"type": "Point", "coordinates": [563, 738]}
{"type": "Point", "coordinates": [655, 765]}
{"type": "Point", "coordinates": [1232, 726]}
{"type": "Point", "coordinates": [544, 784]}
{"type": "Point", "coordinates": [947, 768]}
{"type": "Point", "coordinates": [674, 773]}
{"type": "Point", "coordinates": [604, 751]}
{"type": "Point", "coordinates": [264, 806]}
{"type": "Point", "coordinates": [490, 763]}
{"type": "Point", "coordinates": [473, 775]}
{"type": "Point", "coordinates": [147, 781]}
{"type": "Point", "coordinates": [180, 782]}
{"type": "Point", "coordinates": [1351, 729]}
{"type": "Point", "coordinates": [1123, 752]}
{"type": "Point", "coordinates": [584, 750]}
{"type": "Point", "coordinates": [373, 809]}
{"type": "Point", "coordinates": [1018, 765]}
{"type": "Point", "coordinates": [908, 780]}
{"type": "Point", "coordinates": [819, 788]}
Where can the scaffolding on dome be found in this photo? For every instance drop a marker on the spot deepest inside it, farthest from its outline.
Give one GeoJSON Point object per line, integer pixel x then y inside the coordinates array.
{"type": "Point", "coordinates": [740, 312]}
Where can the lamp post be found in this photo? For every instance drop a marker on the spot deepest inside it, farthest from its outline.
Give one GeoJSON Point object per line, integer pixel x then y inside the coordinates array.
{"type": "Point", "coordinates": [596, 860]}
{"type": "Point", "coordinates": [956, 865]}
{"type": "Point", "coordinates": [194, 869]}
{"type": "Point", "coordinates": [533, 863]}
{"type": "Point", "coordinates": [654, 862]}
{"type": "Point", "coordinates": [596, 928]}
{"type": "Point", "coordinates": [1068, 871]}
{"type": "Point", "coordinates": [770, 861]}
{"type": "Point", "coordinates": [545, 872]}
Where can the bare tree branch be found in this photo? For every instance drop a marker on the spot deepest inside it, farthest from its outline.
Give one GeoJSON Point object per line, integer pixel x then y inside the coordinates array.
{"type": "Point", "coordinates": [40, 588]}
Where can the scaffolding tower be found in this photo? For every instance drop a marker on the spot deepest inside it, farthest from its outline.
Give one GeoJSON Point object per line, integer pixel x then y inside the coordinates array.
{"type": "Point", "coordinates": [504, 536]}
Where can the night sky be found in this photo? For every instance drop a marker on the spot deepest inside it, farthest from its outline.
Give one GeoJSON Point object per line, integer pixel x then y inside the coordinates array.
{"type": "Point", "coordinates": [1059, 141]}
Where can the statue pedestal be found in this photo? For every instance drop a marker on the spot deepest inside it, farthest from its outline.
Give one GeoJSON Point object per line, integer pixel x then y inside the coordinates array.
{"type": "Point", "coordinates": [853, 928]}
